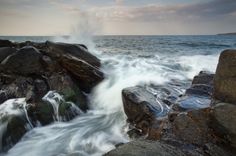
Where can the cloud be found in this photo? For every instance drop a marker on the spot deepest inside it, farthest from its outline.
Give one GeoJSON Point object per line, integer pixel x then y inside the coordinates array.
{"type": "Point", "coordinates": [119, 2]}
{"type": "Point", "coordinates": [204, 10]}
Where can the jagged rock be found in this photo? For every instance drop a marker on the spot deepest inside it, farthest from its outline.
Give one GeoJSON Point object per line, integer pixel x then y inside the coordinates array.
{"type": "Point", "coordinates": [6, 43]}
{"type": "Point", "coordinates": [225, 78]}
{"type": "Point", "coordinates": [65, 86]}
{"type": "Point", "coordinates": [15, 129]}
{"type": "Point", "coordinates": [41, 112]}
{"type": "Point", "coordinates": [141, 107]}
{"type": "Point", "coordinates": [19, 88]}
{"type": "Point", "coordinates": [146, 147]}
{"type": "Point", "coordinates": [203, 77]}
{"type": "Point", "coordinates": [79, 62]}
{"type": "Point", "coordinates": [192, 127]}
{"type": "Point", "coordinates": [25, 61]}
{"type": "Point", "coordinates": [68, 111]}
{"type": "Point", "coordinates": [224, 119]}
{"type": "Point", "coordinates": [198, 96]}
{"type": "Point", "coordinates": [5, 52]}
{"type": "Point", "coordinates": [57, 50]}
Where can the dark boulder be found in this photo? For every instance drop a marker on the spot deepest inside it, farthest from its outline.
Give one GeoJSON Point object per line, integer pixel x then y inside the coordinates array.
{"type": "Point", "coordinates": [192, 127]}
{"type": "Point", "coordinates": [78, 62]}
{"type": "Point", "coordinates": [223, 122]}
{"type": "Point", "coordinates": [40, 112]}
{"type": "Point", "coordinates": [141, 107]}
{"type": "Point", "coordinates": [66, 86]}
{"type": "Point", "coordinates": [203, 77]}
{"type": "Point", "coordinates": [25, 61]}
{"type": "Point", "coordinates": [225, 78]}
{"type": "Point", "coordinates": [87, 75]}
{"type": "Point", "coordinates": [6, 43]}
{"type": "Point", "coordinates": [6, 51]}
{"type": "Point", "coordinates": [146, 147]}
{"type": "Point", "coordinates": [15, 129]}
{"type": "Point", "coordinates": [57, 50]}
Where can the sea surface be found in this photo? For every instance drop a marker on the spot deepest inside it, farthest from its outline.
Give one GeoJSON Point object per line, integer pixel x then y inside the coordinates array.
{"type": "Point", "coordinates": [169, 61]}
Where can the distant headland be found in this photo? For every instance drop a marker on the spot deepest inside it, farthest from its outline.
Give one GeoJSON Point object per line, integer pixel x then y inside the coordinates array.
{"type": "Point", "coordinates": [233, 33]}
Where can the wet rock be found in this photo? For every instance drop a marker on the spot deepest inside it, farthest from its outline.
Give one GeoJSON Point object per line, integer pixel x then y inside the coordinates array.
{"type": "Point", "coordinates": [6, 43]}
{"type": "Point", "coordinates": [198, 96]}
{"type": "Point", "coordinates": [87, 75]}
{"type": "Point", "coordinates": [139, 104]}
{"type": "Point", "coordinates": [67, 111]}
{"type": "Point", "coordinates": [57, 50]}
{"type": "Point", "coordinates": [20, 87]}
{"type": "Point", "coordinates": [5, 52]}
{"type": "Point", "coordinates": [65, 86]}
{"type": "Point", "coordinates": [224, 119]}
{"type": "Point", "coordinates": [192, 127]}
{"type": "Point", "coordinates": [15, 129]}
{"type": "Point", "coordinates": [203, 77]}
{"type": "Point", "coordinates": [24, 62]}
{"type": "Point", "coordinates": [145, 147]}
{"type": "Point", "coordinates": [215, 150]}
{"type": "Point", "coordinates": [78, 62]}
{"type": "Point", "coordinates": [41, 112]}
{"type": "Point", "coordinates": [200, 90]}
{"type": "Point", "coordinates": [142, 110]}
{"type": "Point", "coordinates": [224, 81]}
{"type": "Point", "coordinates": [40, 88]}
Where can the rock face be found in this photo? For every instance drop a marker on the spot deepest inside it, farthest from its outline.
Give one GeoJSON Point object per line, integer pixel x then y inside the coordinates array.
{"type": "Point", "coordinates": [6, 51]}
{"type": "Point", "coordinates": [192, 127]}
{"type": "Point", "coordinates": [51, 77]}
{"type": "Point", "coordinates": [199, 94]}
{"type": "Point", "coordinates": [24, 62]}
{"type": "Point", "coordinates": [224, 119]}
{"type": "Point", "coordinates": [145, 147]}
{"type": "Point", "coordinates": [6, 43]}
{"type": "Point", "coordinates": [81, 64]}
{"type": "Point", "coordinates": [224, 81]}
{"type": "Point", "coordinates": [141, 107]}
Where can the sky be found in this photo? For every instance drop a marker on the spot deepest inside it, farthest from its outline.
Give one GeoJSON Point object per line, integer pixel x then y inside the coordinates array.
{"type": "Point", "coordinates": [117, 17]}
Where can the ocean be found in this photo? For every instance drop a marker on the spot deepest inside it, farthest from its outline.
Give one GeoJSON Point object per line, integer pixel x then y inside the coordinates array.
{"type": "Point", "coordinates": [167, 61]}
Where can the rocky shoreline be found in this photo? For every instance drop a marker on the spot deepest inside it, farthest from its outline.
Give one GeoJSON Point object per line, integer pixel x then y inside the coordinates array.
{"type": "Point", "coordinates": [200, 122]}
{"type": "Point", "coordinates": [50, 82]}
{"type": "Point", "coordinates": [30, 70]}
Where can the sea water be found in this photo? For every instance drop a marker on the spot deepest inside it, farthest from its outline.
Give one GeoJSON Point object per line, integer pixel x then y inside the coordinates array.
{"type": "Point", "coordinates": [168, 61]}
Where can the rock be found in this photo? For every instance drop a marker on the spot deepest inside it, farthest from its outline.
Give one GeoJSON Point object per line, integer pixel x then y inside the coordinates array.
{"type": "Point", "coordinates": [16, 128]}
{"type": "Point", "coordinates": [78, 62]}
{"type": "Point", "coordinates": [21, 87]}
{"type": "Point", "coordinates": [65, 86]}
{"type": "Point", "coordinates": [6, 43]}
{"type": "Point", "coordinates": [200, 90]}
{"type": "Point", "coordinates": [26, 61]}
{"type": "Point", "coordinates": [203, 77]}
{"type": "Point", "coordinates": [214, 150]}
{"type": "Point", "coordinates": [192, 127]}
{"type": "Point", "coordinates": [198, 96]}
{"type": "Point", "coordinates": [141, 107]}
{"type": "Point", "coordinates": [145, 147]}
{"type": "Point", "coordinates": [67, 111]}
{"type": "Point", "coordinates": [41, 112]}
{"type": "Point", "coordinates": [57, 50]}
{"type": "Point", "coordinates": [224, 119]}
{"type": "Point", "coordinates": [87, 75]}
{"type": "Point", "coordinates": [6, 51]}
{"type": "Point", "coordinates": [225, 81]}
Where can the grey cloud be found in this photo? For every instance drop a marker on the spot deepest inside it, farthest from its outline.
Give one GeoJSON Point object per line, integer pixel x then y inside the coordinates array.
{"type": "Point", "coordinates": [203, 11]}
